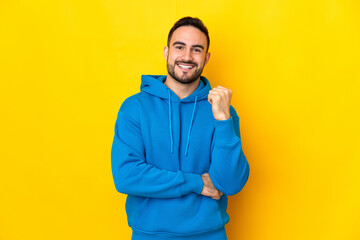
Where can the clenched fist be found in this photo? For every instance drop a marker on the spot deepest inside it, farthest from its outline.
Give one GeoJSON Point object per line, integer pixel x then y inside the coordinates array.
{"type": "Point", "coordinates": [220, 98]}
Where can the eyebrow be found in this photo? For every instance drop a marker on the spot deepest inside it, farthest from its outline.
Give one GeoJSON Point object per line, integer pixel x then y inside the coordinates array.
{"type": "Point", "coordinates": [181, 43]}
{"type": "Point", "coordinates": [199, 46]}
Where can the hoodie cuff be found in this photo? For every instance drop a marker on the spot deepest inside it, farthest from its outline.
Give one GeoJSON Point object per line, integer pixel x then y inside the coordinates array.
{"type": "Point", "coordinates": [225, 131]}
{"type": "Point", "coordinates": [192, 183]}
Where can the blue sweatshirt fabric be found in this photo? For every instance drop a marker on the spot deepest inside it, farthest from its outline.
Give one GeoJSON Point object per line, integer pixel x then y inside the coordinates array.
{"type": "Point", "coordinates": [162, 145]}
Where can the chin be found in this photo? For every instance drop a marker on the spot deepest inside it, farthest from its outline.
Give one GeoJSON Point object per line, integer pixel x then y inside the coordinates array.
{"type": "Point", "coordinates": [185, 81]}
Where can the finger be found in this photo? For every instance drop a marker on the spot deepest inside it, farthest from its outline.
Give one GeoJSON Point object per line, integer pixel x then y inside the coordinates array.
{"type": "Point", "coordinates": [212, 98]}
{"type": "Point", "coordinates": [215, 197]}
{"type": "Point", "coordinates": [216, 90]}
{"type": "Point", "coordinates": [215, 97]}
{"type": "Point", "coordinates": [221, 87]}
{"type": "Point", "coordinates": [219, 92]}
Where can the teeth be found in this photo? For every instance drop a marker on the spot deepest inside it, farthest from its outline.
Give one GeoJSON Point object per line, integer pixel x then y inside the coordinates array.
{"type": "Point", "coordinates": [187, 67]}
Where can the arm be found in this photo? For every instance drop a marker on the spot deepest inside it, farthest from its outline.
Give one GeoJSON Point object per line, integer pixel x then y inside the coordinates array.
{"type": "Point", "coordinates": [131, 173]}
{"type": "Point", "coordinates": [229, 169]}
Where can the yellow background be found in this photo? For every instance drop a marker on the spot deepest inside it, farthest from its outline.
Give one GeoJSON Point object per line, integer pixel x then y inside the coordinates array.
{"type": "Point", "coordinates": [66, 66]}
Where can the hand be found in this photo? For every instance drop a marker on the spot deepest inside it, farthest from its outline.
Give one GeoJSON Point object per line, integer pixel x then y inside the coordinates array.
{"type": "Point", "coordinates": [208, 188]}
{"type": "Point", "coordinates": [220, 98]}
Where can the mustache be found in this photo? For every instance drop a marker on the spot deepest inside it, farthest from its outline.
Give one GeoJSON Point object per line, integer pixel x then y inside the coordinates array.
{"type": "Point", "coordinates": [188, 62]}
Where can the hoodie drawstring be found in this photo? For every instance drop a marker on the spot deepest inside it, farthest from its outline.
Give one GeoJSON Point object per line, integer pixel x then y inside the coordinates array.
{"type": "Point", "coordinates": [171, 137]}
{"type": "Point", "coordinates": [192, 117]}
{"type": "Point", "coordinates": [170, 126]}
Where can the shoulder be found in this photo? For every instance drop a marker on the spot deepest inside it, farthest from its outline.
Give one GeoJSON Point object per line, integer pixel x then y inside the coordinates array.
{"type": "Point", "coordinates": [131, 106]}
{"type": "Point", "coordinates": [129, 103]}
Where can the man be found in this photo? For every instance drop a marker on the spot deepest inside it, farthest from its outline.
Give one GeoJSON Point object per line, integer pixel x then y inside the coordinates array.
{"type": "Point", "coordinates": [177, 151]}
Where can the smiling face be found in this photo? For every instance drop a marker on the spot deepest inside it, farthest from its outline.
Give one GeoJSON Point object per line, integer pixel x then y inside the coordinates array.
{"type": "Point", "coordinates": [186, 55]}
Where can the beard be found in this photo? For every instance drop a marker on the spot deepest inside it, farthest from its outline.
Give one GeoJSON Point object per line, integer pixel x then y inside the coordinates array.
{"type": "Point", "coordinates": [187, 77]}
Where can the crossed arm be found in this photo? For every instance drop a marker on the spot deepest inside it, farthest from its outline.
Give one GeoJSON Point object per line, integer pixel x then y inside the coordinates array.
{"type": "Point", "coordinates": [132, 175]}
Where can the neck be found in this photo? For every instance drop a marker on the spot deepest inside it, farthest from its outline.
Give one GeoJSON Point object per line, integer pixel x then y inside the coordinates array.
{"type": "Point", "coordinates": [180, 89]}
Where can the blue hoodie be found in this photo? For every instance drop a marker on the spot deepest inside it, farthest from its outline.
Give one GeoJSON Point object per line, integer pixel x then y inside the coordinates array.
{"type": "Point", "coordinates": [162, 146]}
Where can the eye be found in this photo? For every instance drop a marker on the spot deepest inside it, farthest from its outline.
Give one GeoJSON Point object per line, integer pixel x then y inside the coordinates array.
{"type": "Point", "coordinates": [179, 47]}
{"type": "Point", "coordinates": [197, 50]}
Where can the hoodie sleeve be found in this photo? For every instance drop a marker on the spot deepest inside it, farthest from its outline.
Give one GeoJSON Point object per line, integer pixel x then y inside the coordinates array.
{"type": "Point", "coordinates": [229, 169]}
{"type": "Point", "coordinates": [132, 175]}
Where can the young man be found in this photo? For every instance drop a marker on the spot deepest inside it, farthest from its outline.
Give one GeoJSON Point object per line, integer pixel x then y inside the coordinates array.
{"type": "Point", "coordinates": [177, 151]}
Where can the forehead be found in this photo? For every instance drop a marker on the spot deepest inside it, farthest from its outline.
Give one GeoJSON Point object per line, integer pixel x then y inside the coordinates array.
{"type": "Point", "coordinates": [189, 35]}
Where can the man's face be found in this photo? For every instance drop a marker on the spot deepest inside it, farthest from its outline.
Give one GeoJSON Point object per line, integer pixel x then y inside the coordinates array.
{"type": "Point", "coordinates": [186, 55]}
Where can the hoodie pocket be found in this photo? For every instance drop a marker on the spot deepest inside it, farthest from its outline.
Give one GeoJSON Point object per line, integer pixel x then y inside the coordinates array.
{"type": "Point", "coordinates": [189, 214]}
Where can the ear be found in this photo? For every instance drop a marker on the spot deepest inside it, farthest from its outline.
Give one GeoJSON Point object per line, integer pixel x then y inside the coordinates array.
{"type": "Point", "coordinates": [166, 52]}
{"type": "Point", "coordinates": [207, 58]}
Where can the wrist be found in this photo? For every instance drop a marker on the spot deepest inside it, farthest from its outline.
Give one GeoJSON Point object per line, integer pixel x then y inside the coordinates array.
{"type": "Point", "coordinates": [222, 116]}
{"type": "Point", "coordinates": [225, 132]}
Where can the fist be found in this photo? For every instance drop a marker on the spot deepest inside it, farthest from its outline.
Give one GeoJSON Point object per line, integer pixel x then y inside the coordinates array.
{"type": "Point", "coordinates": [220, 98]}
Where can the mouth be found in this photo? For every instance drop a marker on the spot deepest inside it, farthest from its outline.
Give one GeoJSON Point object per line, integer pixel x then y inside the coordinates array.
{"type": "Point", "coordinates": [185, 66]}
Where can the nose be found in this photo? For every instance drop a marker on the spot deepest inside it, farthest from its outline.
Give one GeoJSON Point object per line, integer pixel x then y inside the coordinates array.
{"type": "Point", "coordinates": [187, 57]}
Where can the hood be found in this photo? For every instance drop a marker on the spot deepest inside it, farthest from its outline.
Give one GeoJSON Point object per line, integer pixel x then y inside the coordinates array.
{"type": "Point", "coordinates": [154, 85]}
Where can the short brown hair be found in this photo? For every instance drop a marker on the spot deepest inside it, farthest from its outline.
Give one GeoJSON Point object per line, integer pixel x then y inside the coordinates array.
{"type": "Point", "coordinates": [190, 21]}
